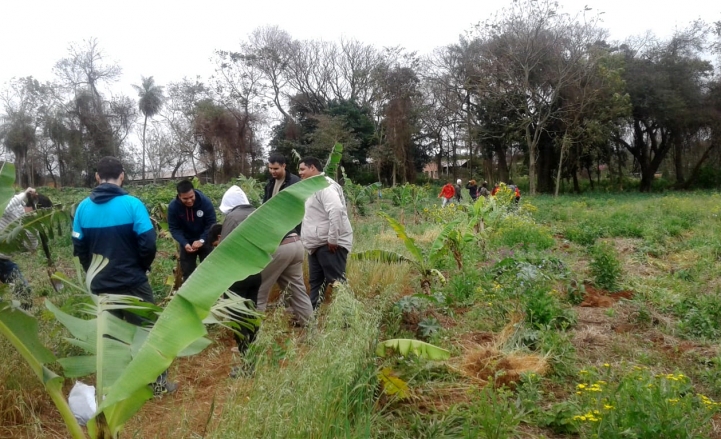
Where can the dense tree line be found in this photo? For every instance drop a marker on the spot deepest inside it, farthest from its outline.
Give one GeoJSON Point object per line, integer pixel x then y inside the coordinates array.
{"type": "Point", "coordinates": [530, 91]}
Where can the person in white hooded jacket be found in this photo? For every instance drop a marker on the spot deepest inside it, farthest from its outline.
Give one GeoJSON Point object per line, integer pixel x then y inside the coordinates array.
{"type": "Point", "coordinates": [326, 232]}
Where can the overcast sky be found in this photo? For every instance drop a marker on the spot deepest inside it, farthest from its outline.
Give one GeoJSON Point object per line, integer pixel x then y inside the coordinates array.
{"type": "Point", "coordinates": [170, 40]}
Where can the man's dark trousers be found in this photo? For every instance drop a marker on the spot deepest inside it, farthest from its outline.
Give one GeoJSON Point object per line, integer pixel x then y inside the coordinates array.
{"type": "Point", "coordinates": [324, 268]}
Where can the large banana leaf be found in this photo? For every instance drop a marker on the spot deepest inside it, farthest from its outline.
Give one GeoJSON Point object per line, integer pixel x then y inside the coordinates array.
{"type": "Point", "coordinates": [246, 251]}
{"type": "Point", "coordinates": [379, 255]}
{"type": "Point", "coordinates": [7, 178]}
{"type": "Point", "coordinates": [438, 247]}
{"type": "Point", "coordinates": [331, 167]}
{"type": "Point", "coordinates": [404, 346]}
{"type": "Point", "coordinates": [407, 240]}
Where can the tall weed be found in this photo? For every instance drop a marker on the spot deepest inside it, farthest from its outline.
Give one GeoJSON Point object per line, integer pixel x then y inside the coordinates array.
{"type": "Point", "coordinates": [605, 266]}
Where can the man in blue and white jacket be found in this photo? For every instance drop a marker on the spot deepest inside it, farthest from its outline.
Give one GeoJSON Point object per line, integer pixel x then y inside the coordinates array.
{"type": "Point", "coordinates": [116, 225]}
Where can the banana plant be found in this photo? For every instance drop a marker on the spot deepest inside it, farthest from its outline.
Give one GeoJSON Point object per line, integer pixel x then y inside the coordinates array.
{"type": "Point", "coordinates": [331, 166]}
{"type": "Point", "coordinates": [424, 262]}
{"type": "Point", "coordinates": [484, 215]}
{"type": "Point", "coordinates": [137, 356]}
{"type": "Point", "coordinates": [358, 196]}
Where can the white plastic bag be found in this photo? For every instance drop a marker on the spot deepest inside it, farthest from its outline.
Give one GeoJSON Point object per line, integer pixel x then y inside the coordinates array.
{"type": "Point", "coordinates": [82, 402]}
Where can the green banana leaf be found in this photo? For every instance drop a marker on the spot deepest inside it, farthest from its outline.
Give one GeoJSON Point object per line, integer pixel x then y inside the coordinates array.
{"type": "Point", "coordinates": [438, 247]}
{"type": "Point", "coordinates": [7, 178]}
{"type": "Point", "coordinates": [404, 346]}
{"type": "Point", "coordinates": [407, 240]}
{"type": "Point", "coordinates": [246, 251]}
{"type": "Point", "coordinates": [331, 167]}
{"type": "Point", "coordinates": [21, 329]}
{"type": "Point", "coordinates": [379, 255]}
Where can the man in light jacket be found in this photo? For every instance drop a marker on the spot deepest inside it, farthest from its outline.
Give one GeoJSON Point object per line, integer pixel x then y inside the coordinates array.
{"type": "Point", "coordinates": [326, 232]}
{"type": "Point", "coordinates": [9, 271]}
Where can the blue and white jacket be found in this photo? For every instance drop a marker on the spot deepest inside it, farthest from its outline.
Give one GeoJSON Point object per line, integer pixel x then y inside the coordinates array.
{"type": "Point", "coordinates": [116, 225]}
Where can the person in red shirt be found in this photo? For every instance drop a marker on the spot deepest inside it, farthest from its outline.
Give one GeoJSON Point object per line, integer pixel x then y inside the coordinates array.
{"type": "Point", "coordinates": [447, 193]}
{"type": "Point", "coordinates": [495, 189]}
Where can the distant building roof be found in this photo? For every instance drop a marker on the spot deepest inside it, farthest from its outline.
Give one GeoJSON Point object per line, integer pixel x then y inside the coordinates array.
{"type": "Point", "coordinates": [166, 175]}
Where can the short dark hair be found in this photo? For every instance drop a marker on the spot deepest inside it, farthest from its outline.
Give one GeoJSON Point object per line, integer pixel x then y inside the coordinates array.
{"type": "Point", "coordinates": [109, 168]}
{"type": "Point", "coordinates": [276, 157]}
{"type": "Point", "coordinates": [312, 161]}
{"type": "Point", "coordinates": [185, 186]}
{"type": "Point", "coordinates": [214, 233]}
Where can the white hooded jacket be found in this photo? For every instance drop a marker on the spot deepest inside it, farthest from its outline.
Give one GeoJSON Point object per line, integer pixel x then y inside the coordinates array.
{"type": "Point", "coordinates": [326, 219]}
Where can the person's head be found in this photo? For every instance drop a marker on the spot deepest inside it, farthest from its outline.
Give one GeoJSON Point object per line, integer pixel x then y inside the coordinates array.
{"type": "Point", "coordinates": [276, 166]}
{"type": "Point", "coordinates": [485, 184]}
{"type": "Point", "coordinates": [472, 182]}
{"type": "Point", "coordinates": [186, 193]}
{"type": "Point", "coordinates": [510, 182]}
{"type": "Point", "coordinates": [232, 198]}
{"type": "Point", "coordinates": [109, 170]}
{"type": "Point", "coordinates": [459, 181]}
{"type": "Point", "coordinates": [214, 234]}
{"type": "Point", "coordinates": [309, 167]}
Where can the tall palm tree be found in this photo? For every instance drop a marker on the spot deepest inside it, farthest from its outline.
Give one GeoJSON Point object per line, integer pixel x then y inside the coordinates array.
{"type": "Point", "coordinates": [150, 102]}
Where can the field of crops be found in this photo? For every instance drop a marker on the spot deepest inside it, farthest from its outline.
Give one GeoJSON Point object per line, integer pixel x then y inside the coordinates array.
{"type": "Point", "coordinates": [592, 316]}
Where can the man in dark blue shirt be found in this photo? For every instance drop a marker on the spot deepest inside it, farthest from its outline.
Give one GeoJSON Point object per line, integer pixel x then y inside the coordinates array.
{"type": "Point", "coordinates": [190, 216]}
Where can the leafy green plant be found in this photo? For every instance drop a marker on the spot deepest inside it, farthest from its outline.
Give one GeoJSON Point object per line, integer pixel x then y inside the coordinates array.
{"type": "Point", "coordinates": [495, 413]}
{"type": "Point", "coordinates": [544, 309]}
{"type": "Point", "coordinates": [701, 316]}
{"type": "Point", "coordinates": [424, 263]}
{"type": "Point", "coordinates": [605, 266]}
{"type": "Point", "coordinates": [359, 196]}
{"type": "Point", "coordinates": [429, 326]}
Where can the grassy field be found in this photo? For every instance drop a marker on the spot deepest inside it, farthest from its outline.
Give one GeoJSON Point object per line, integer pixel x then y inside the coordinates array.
{"type": "Point", "coordinates": [593, 316]}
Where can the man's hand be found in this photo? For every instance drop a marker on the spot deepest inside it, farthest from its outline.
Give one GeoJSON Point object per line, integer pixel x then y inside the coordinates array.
{"type": "Point", "coordinates": [197, 245]}
{"type": "Point", "coordinates": [189, 248]}
{"type": "Point", "coordinates": [332, 247]}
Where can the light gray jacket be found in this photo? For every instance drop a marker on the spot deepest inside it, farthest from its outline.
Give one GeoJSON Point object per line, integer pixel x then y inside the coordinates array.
{"type": "Point", "coordinates": [13, 211]}
{"type": "Point", "coordinates": [326, 219]}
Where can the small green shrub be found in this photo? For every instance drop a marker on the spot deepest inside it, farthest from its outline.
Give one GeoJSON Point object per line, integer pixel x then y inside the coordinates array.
{"type": "Point", "coordinates": [428, 327]}
{"type": "Point", "coordinates": [494, 415]}
{"type": "Point", "coordinates": [544, 310]}
{"type": "Point", "coordinates": [583, 234]}
{"type": "Point", "coordinates": [605, 266]}
{"type": "Point", "coordinates": [701, 316]}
